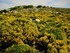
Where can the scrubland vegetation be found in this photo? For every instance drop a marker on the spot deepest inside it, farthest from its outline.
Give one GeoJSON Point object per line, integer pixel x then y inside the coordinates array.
{"type": "Point", "coordinates": [35, 29]}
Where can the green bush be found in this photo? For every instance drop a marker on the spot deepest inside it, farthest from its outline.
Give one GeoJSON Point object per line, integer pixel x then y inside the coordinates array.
{"type": "Point", "coordinates": [21, 49]}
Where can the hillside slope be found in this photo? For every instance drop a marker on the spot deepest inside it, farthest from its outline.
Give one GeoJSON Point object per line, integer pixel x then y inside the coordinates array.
{"type": "Point", "coordinates": [39, 29]}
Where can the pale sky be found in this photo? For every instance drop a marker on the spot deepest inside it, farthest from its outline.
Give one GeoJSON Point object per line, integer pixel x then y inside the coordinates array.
{"type": "Point", "coordinates": [54, 3]}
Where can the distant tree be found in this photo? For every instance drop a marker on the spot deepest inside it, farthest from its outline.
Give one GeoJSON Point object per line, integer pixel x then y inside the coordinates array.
{"type": "Point", "coordinates": [29, 6]}
{"type": "Point", "coordinates": [44, 6]}
{"type": "Point", "coordinates": [3, 11]}
{"type": "Point", "coordinates": [14, 8]}
{"type": "Point", "coordinates": [39, 6]}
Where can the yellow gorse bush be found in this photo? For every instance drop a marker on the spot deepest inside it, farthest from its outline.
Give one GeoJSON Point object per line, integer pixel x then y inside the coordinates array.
{"type": "Point", "coordinates": [31, 29]}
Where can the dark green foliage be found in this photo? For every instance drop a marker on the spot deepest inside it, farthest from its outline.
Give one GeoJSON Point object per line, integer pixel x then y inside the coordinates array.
{"type": "Point", "coordinates": [39, 6]}
{"type": "Point", "coordinates": [29, 6]}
